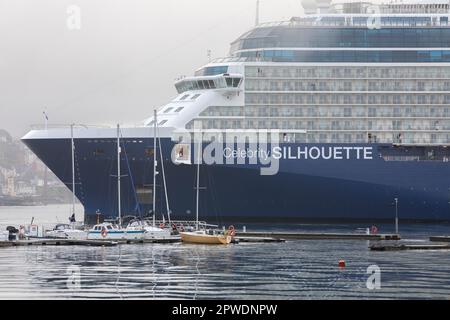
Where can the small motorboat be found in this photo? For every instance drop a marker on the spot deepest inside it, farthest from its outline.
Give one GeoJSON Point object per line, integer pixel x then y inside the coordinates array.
{"type": "Point", "coordinates": [207, 237]}
{"type": "Point", "coordinates": [5, 235]}
{"type": "Point", "coordinates": [109, 231]}
{"type": "Point", "coordinates": [66, 231]}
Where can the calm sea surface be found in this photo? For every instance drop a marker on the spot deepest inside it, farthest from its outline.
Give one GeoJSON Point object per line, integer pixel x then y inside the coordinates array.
{"type": "Point", "coordinates": [292, 270]}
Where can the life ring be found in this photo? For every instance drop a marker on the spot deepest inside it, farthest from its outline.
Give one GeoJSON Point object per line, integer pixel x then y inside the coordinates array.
{"type": "Point", "coordinates": [104, 232]}
{"type": "Point", "coordinates": [374, 230]}
{"type": "Point", "coordinates": [231, 231]}
{"type": "Point", "coordinates": [162, 226]}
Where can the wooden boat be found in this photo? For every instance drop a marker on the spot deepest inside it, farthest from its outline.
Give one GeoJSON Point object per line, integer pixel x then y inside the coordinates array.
{"type": "Point", "coordinates": [205, 236]}
{"type": "Point", "coordinates": [202, 237]}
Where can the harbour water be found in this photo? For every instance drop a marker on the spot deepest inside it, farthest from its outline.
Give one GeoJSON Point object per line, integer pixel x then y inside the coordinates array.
{"type": "Point", "coordinates": [291, 270]}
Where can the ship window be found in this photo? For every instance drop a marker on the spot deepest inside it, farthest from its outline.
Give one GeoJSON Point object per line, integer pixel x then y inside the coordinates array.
{"type": "Point", "coordinates": [229, 82]}
{"type": "Point", "coordinates": [179, 87]}
{"type": "Point", "coordinates": [236, 82]}
{"type": "Point", "coordinates": [347, 112]}
{"type": "Point", "coordinates": [184, 97]}
{"type": "Point", "coordinates": [212, 71]}
{"type": "Point", "coordinates": [168, 110]}
{"type": "Point", "coordinates": [195, 96]}
{"type": "Point", "coordinates": [149, 152]}
{"type": "Point", "coordinates": [99, 152]}
{"type": "Point", "coordinates": [179, 109]}
{"type": "Point", "coordinates": [163, 122]}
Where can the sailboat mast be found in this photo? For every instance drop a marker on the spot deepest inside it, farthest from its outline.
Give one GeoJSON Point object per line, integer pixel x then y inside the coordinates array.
{"type": "Point", "coordinates": [72, 143]}
{"type": "Point", "coordinates": [119, 204]}
{"type": "Point", "coordinates": [164, 178]}
{"type": "Point", "coordinates": [154, 165]}
{"type": "Point", "coordinates": [198, 184]}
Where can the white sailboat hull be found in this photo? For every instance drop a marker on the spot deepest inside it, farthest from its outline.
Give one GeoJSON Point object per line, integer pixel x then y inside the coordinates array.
{"type": "Point", "coordinates": [117, 235]}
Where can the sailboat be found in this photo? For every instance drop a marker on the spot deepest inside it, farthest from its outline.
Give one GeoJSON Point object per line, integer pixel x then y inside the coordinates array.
{"type": "Point", "coordinates": [63, 230]}
{"type": "Point", "coordinates": [205, 236]}
{"type": "Point", "coordinates": [152, 232]}
{"type": "Point", "coordinates": [109, 231]}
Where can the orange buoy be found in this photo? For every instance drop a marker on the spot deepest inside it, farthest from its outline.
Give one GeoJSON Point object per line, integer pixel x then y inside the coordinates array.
{"type": "Point", "coordinates": [342, 264]}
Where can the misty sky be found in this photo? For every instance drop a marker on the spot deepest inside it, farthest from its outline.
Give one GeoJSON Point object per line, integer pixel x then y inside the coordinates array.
{"type": "Point", "coordinates": [122, 62]}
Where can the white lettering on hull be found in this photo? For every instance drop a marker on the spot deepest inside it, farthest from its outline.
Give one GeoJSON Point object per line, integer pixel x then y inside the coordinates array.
{"type": "Point", "coordinates": [303, 153]}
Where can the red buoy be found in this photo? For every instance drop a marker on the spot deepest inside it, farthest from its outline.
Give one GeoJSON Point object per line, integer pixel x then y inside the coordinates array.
{"type": "Point", "coordinates": [342, 264]}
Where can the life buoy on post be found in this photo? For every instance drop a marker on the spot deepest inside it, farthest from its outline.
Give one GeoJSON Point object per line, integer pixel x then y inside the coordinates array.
{"type": "Point", "coordinates": [231, 231]}
{"type": "Point", "coordinates": [374, 230]}
{"type": "Point", "coordinates": [104, 232]}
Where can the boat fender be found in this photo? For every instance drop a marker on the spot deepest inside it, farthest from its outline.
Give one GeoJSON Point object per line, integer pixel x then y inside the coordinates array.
{"type": "Point", "coordinates": [104, 232]}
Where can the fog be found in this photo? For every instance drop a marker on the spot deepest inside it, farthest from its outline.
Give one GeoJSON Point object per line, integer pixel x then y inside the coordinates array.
{"type": "Point", "coordinates": [120, 64]}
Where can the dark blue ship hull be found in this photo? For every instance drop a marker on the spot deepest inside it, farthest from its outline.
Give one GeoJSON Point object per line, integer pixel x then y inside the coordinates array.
{"type": "Point", "coordinates": [319, 189]}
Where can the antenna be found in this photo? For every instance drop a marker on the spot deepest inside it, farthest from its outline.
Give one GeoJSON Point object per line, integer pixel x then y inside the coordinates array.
{"type": "Point", "coordinates": [45, 119]}
{"type": "Point", "coordinates": [257, 13]}
{"type": "Point", "coordinates": [209, 54]}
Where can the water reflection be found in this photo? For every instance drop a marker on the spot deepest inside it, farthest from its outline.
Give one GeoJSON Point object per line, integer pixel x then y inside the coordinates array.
{"type": "Point", "coordinates": [293, 270]}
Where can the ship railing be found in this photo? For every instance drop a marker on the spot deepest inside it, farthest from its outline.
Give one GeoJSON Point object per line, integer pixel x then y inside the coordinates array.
{"type": "Point", "coordinates": [243, 59]}
{"type": "Point", "coordinates": [67, 126]}
{"type": "Point", "coordinates": [230, 59]}
{"type": "Point", "coordinates": [346, 20]}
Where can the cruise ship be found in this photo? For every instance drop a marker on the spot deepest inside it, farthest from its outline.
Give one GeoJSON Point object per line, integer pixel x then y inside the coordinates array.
{"type": "Point", "coordinates": [335, 115]}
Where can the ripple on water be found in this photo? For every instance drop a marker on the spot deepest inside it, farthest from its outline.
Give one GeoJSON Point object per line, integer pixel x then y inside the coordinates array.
{"type": "Point", "coordinates": [292, 270]}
